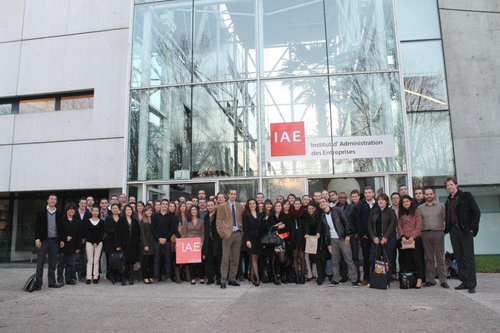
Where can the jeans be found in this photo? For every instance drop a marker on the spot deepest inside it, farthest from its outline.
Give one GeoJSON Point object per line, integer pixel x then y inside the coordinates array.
{"type": "Point", "coordinates": [355, 258]}
{"type": "Point", "coordinates": [50, 247]}
{"type": "Point", "coordinates": [65, 270]}
{"type": "Point", "coordinates": [167, 247]}
{"type": "Point", "coordinates": [80, 267]}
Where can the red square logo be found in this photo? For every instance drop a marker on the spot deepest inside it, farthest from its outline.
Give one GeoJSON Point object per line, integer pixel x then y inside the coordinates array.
{"type": "Point", "coordinates": [288, 139]}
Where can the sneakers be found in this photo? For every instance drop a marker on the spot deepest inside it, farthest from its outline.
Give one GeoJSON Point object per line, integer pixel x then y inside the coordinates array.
{"type": "Point", "coordinates": [355, 284]}
{"type": "Point", "coordinates": [332, 284]}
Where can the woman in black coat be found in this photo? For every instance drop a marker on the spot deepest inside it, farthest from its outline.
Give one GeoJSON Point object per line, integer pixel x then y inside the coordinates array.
{"type": "Point", "coordinates": [253, 230]}
{"type": "Point", "coordinates": [127, 237]}
{"type": "Point", "coordinates": [298, 240]}
{"type": "Point", "coordinates": [277, 223]}
{"type": "Point", "coordinates": [71, 238]}
{"type": "Point", "coordinates": [109, 242]}
{"type": "Point", "coordinates": [322, 254]}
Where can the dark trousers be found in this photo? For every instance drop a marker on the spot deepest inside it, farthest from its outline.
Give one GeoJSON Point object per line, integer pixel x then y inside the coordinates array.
{"type": "Point", "coordinates": [167, 248]}
{"type": "Point", "coordinates": [389, 250]}
{"type": "Point", "coordinates": [212, 263]}
{"type": "Point", "coordinates": [65, 271]}
{"type": "Point", "coordinates": [355, 257]}
{"type": "Point", "coordinates": [147, 265]}
{"type": "Point", "coordinates": [463, 248]}
{"type": "Point", "coordinates": [80, 266]}
{"type": "Point", "coordinates": [196, 269]}
{"type": "Point", "coordinates": [365, 248]}
{"type": "Point", "coordinates": [410, 260]}
{"type": "Point", "coordinates": [50, 247]}
{"type": "Point", "coordinates": [322, 256]}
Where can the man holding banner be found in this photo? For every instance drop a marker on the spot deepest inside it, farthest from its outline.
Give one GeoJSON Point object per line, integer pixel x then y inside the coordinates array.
{"type": "Point", "coordinates": [230, 228]}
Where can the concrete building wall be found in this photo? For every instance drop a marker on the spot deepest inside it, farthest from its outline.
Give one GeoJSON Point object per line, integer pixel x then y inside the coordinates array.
{"type": "Point", "coordinates": [471, 40]}
{"type": "Point", "coordinates": [50, 47]}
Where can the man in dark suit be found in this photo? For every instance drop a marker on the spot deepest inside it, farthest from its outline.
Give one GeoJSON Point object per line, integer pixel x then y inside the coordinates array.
{"type": "Point", "coordinates": [462, 216]}
{"type": "Point", "coordinates": [230, 229]}
{"type": "Point", "coordinates": [82, 215]}
{"type": "Point", "coordinates": [48, 233]}
{"type": "Point", "coordinates": [363, 209]}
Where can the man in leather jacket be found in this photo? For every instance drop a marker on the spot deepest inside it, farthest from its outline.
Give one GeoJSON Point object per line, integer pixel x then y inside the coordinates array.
{"type": "Point", "coordinates": [462, 222]}
{"type": "Point", "coordinates": [350, 214]}
{"type": "Point", "coordinates": [337, 232]}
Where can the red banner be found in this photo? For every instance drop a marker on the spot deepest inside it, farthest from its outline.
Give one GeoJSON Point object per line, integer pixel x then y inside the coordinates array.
{"type": "Point", "coordinates": [188, 250]}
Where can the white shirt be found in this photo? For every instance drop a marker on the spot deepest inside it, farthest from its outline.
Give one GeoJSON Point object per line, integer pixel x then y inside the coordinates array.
{"type": "Point", "coordinates": [94, 222]}
{"type": "Point", "coordinates": [333, 233]}
{"type": "Point", "coordinates": [372, 203]}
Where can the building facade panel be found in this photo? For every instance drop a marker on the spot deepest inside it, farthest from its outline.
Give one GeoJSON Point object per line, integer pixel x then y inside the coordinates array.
{"type": "Point", "coordinates": [6, 154]}
{"type": "Point", "coordinates": [60, 17]}
{"type": "Point", "coordinates": [6, 129]}
{"type": "Point", "coordinates": [477, 160]}
{"type": "Point", "coordinates": [61, 165]}
{"type": "Point", "coordinates": [476, 5]}
{"type": "Point", "coordinates": [11, 20]}
{"type": "Point", "coordinates": [9, 67]}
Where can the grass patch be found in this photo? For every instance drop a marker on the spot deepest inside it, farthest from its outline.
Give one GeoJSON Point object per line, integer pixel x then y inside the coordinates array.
{"type": "Point", "coordinates": [488, 264]}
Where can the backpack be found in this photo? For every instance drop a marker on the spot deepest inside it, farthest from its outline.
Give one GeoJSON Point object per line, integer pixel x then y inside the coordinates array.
{"type": "Point", "coordinates": [30, 285]}
{"type": "Point", "coordinates": [117, 263]}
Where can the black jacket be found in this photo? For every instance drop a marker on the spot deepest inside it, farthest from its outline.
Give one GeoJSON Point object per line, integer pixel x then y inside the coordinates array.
{"type": "Point", "coordinates": [350, 213]}
{"type": "Point", "coordinates": [342, 228]}
{"type": "Point", "coordinates": [109, 245]}
{"type": "Point", "coordinates": [71, 229]}
{"type": "Point", "coordinates": [128, 241]}
{"type": "Point", "coordinates": [93, 234]}
{"type": "Point", "coordinates": [313, 222]}
{"type": "Point", "coordinates": [216, 241]}
{"type": "Point", "coordinates": [86, 216]}
{"type": "Point", "coordinates": [273, 220]}
{"type": "Point", "coordinates": [253, 228]}
{"type": "Point", "coordinates": [298, 231]}
{"type": "Point", "coordinates": [389, 222]}
{"type": "Point", "coordinates": [164, 226]}
{"type": "Point", "coordinates": [467, 212]}
{"type": "Point", "coordinates": [41, 225]}
{"type": "Point", "coordinates": [363, 214]}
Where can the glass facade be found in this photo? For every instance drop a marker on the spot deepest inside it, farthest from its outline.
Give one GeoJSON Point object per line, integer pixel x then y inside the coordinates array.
{"type": "Point", "coordinates": [210, 77]}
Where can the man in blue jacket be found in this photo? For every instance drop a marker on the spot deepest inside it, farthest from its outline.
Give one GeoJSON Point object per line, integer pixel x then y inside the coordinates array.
{"type": "Point", "coordinates": [462, 222]}
{"type": "Point", "coordinates": [363, 210]}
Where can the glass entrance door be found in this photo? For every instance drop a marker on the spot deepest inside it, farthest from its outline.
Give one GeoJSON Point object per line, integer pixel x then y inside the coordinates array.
{"type": "Point", "coordinates": [176, 190]}
{"type": "Point", "coordinates": [345, 184]}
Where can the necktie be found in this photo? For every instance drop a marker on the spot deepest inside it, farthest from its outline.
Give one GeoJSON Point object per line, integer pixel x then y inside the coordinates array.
{"type": "Point", "coordinates": [234, 215]}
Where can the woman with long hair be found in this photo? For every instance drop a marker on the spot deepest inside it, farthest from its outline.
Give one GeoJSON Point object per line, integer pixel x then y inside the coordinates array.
{"type": "Point", "coordinates": [128, 234]}
{"type": "Point", "coordinates": [181, 217]}
{"type": "Point", "coordinates": [147, 243]}
{"type": "Point", "coordinates": [139, 211]}
{"type": "Point", "coordinates": [110, 242]}
{"type": "Point", "coordinates": [253, 230]}
{"type": "Point", "coordinates": [312, 220]}
{"type": "Point", "coordinates": [297, 240]}
{"type": "Point", "coordinates": [409, 230]}
{"type": "Point", "coordinates": [382, 223]}
{"type": "Point", "coordinates": [193, 227]}
{"type": "Point", "coordinates": [94, 234]}
{"type": "Point", "coordinates": [275, 223]}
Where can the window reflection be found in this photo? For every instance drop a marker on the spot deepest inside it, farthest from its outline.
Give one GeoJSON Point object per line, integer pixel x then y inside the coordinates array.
{"type": "Point", "coordinates": [360, 35]}
{"type": "Point", "coordinates": [283, 186]}
{"type": "Point", "coordinates": [424, 79]}
{"type": "Point", "coordinates": [37, 105]}
{"type": "Point", "coordinates": [5, 108]}
{"type": "Point", "coordinates": [224, 40]}
{"type": "Point", "coordinates": [431, 145]}
{"type": "Point", "coordinates": [418, 19]}
{"type": "Point", "coordinates": [245, 189]}
{"type": "Point", "coordinates": [77, 102]}
{"type": "Point", "coordinates": [162, 44]}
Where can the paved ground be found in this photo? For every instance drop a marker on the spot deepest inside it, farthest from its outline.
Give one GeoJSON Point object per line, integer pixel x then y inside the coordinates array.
{"type": "Point", "coordinates": [287, 308]}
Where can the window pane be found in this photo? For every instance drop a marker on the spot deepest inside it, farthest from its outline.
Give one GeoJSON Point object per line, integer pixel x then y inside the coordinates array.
{"type": "Point", "coordinates": [162, 44]}
{"type": "Point", "coordinates": [345, 185]}
{"type": "Point", "coordinates": [77, 102]}
{"type": "Point", "coordinates": [245, 189]}
{"type": "Point", "coordinates": [5, 108]}
{"type": "Point", "coordinates": [159, 146]}
{"type": "Point", "coordinates": [37, 105]}
{"type": "Point", "coordinates": [430, 144]}
{"type": "Point", "coordinates": [418, 19]}
{"type": "Point", "coordinates": [368, 105]}
{"type": "Point", "coordinates": [224, 130]}
{"type": "Point", "coordinates": [424, 79]}
{"type": "Point", "coordinates": [361, 35]}
{"type": "Point", "coordinates": [282, 186]}
{"type": "Point", "coordinates": [224, 40]}
{"type": "Point", "coordinates": [293, 37]}
{"type": "Point", "coordinates": [299, 100]}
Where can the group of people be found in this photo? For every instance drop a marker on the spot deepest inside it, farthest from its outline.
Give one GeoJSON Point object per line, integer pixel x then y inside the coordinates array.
{"type": "Point", "coordinates": [347, 235]}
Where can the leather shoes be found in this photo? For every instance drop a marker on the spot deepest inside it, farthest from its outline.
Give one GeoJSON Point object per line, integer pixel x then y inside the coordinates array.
{"type": "Point", "coordinates": [209, 282]}
{"type": "Point", "coordinates": [461, 287]}
{"type": "Point", "coordinates": [55, 285]}
{"type": "Point", "coordinates": [71, 283]}
{"type": "Point", "coordinates": [445, 285]}
{"type": "Point", "coordinates": [472, 290]}
{"type": "Point", "coordinates": [222, 286]}
{"type": "Point", "coordinates": [429, 284]}
{"type": "Point", "coordinates": [233, 283]}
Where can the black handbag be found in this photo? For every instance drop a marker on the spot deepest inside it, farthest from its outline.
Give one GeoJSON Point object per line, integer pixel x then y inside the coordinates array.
{"type": "Point", "coordinates": [271, 239]}
{"type": "Point", "coordinates": [378, 278]}
{"type": "Point", "coordinates": [30, 285]}
{"type": "Point", "coordinates": [407, 280]}
{"type": "Point", "coordinates": [117, 263]}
